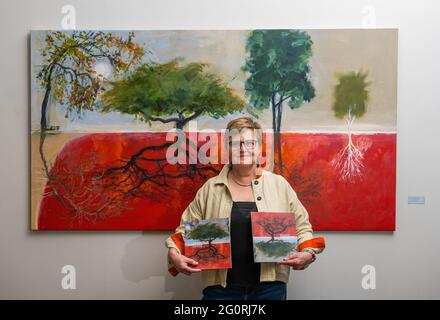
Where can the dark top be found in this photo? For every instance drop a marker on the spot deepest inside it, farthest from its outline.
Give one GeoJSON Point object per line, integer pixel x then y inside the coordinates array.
{"type": "Point", "coordinates": [244, 271]}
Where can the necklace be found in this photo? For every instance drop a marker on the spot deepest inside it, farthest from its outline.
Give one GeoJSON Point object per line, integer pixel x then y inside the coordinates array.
{"type": "Point", "coordinates": [240, 184]}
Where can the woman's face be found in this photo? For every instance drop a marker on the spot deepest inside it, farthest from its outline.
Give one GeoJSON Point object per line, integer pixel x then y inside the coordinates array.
{"type": "Point", "coordinates": [243, 147]}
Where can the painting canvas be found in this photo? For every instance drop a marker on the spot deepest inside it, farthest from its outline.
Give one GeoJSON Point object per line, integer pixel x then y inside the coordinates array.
{"type": "Point", "coordinates": [108, 108]}
{"type": "Point", "coordinates": [208, 242]}
{"type": "Point", "coordinates": [273, 235]}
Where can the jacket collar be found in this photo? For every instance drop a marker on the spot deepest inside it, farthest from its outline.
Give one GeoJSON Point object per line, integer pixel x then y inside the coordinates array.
{"type": "Point", "coordinates": [222, 177]}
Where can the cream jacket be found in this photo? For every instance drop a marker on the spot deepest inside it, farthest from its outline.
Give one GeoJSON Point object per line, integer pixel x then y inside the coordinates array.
{"type": "Point", "coordinates": [272, 192]}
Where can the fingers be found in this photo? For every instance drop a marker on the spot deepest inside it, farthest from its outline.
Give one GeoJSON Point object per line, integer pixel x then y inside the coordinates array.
{"type": "Point", "coordinates": [186, 267]}
{"type": "Point", "coordinates": [192, 269]}
{"type": "Point", "coordinates": [292, 262]}
{"type": "Point", "coordinates": [188, 270]}
{"type": "Point", "coordinates": [292, 256]}
{"type": "Point", "coordinates": [190, 261]}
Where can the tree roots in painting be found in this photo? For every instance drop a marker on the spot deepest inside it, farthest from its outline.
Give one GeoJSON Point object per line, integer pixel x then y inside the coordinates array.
{"type": "Point", "coordinates": [150, 169]}
{"type": "Point", "coordinates": [349, 163]}
{"type": "Point", "coordinates": [78, 187]}
{"type": "Point", "coordinates": [93, 193]}
{"type": "Point", "coordinates": [307, 188]}
{"type": "Point", "coordinates": [206, 254]}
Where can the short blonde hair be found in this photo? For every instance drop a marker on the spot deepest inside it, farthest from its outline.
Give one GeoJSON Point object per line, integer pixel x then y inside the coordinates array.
{"type": "Point", "coordinates": [244, 123]}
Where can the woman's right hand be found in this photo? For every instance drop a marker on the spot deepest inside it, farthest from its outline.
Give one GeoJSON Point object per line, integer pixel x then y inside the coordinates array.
{"type": "Point", "coordinates": [183, 264]}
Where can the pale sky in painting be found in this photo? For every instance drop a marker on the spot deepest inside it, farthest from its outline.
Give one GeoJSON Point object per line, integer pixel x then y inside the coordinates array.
{"type": "Point", "coordinates": [334, 51]}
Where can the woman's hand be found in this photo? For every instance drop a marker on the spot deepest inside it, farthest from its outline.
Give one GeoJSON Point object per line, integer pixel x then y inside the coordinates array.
{"type": "Point", "coordinates": [181, 263]}
{"type": "Point", "coordinates": [298, 260]}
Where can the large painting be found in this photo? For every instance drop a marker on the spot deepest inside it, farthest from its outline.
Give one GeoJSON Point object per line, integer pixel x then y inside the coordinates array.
{"type": "Point", "coordinates": [105, 106]}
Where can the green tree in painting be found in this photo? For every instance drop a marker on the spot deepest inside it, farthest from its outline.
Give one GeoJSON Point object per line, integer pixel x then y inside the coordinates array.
{"type": "Point", "coordinates": [350, 102]}
{"type": "Point", "coordinates": [170, 93]}
{"type": "Point", "coordinates": [68, 69]}
{"type": "Point", "coordinates": [278, 63]}
{"type": "Point", "coordinates": [277, 248]}
{"type": "Point", "coordinates": [167, 93]}
{"type": "Point", "coordinates": [207, 232]}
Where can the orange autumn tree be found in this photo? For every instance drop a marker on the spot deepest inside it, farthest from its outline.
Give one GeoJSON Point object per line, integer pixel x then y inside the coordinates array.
{"type": "Point", "coordinates": [68, 69]}
{"type": "Point", "coordinates": [69, 78]}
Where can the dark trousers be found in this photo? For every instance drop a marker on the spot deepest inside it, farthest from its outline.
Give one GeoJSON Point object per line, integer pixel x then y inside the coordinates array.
{"type": "Point", "coordinates": [273, 290]}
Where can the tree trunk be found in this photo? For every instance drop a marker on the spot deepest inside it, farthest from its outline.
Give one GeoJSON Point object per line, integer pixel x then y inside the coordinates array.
{"type": "Point", "coordinates": [43, 121]}
{"type": "Point", "coordinates": [280, 159]}
{"type": "Point", "coordinates": [349, 123]}
{"type": "Point", "coordinates": [186, 147]}
{"type": "Point", "coordinates": [274, 123]}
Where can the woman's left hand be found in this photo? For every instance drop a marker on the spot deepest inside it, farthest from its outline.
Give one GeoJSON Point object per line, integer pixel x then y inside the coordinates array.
{"type": "Point", "coordinates": [298, 260]}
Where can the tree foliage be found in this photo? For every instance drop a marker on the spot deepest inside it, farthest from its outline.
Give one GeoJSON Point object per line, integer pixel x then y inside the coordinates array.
{"type": "Point", "coordinates": [351, 94]}
{"type": "Point", "coordinates": [207, 232]}
{"type": "Point", "coordinates": [155, 92]}
{"type": "Point", "coordinates": [278, 63]}
{"type": "Point", "coordinates": [68, 69]}
{"type": "Point", "coordinates": [276, 248]}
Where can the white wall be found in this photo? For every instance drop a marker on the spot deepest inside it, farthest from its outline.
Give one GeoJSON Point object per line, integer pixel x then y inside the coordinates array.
{"type": "Point", "coordinates": [132, 264]}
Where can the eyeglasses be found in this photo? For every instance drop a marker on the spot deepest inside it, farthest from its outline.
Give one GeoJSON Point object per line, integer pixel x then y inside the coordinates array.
{"type": "Point", "coordinates": [248, 144]}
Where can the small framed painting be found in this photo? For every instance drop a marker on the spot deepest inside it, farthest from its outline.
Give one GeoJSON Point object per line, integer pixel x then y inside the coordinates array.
{"type": "Point", "coordinates": [208, 242]}
{"type": "Point", "coordinates": [274, 235]}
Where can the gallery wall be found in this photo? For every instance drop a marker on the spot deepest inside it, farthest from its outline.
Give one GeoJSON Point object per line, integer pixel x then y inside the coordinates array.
{"type": "Point", "coordinates": [132, 264]}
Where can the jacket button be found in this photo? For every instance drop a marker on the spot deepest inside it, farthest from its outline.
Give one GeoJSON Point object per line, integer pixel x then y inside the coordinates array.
{"type": "Point", "coordinates": [258, 198]}
{"type": "Point", "coordinates": [256, 182]}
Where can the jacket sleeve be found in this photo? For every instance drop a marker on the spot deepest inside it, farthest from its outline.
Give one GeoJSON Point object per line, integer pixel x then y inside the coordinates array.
{"type": "Point", "coordinates": [304, 229]}
{"type": "Point", "coordinates": [193, 212]}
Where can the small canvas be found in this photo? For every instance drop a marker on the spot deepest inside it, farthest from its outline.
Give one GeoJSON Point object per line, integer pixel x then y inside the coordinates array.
{"type": "Point", "coordinates": [208, 242]}
{"type": "Point", "coordinates": [274, 235]}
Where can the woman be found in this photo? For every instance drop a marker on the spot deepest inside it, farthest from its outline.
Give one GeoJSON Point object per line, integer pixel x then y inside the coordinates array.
{"type": "Point", "coordinates": [243, 186]}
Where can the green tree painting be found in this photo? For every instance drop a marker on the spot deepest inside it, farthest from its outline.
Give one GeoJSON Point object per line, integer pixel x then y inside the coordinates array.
{"type": "Point", "coordinates": [350, 102]}
{"type": "Point", "coordinates": [274, 227]}
{"type": "Point", "coordinates": [207, 233]}
{"type": "Point", "coordinates": [279, 71]}
{"type": "Point", "coordinates": [168, 93]}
